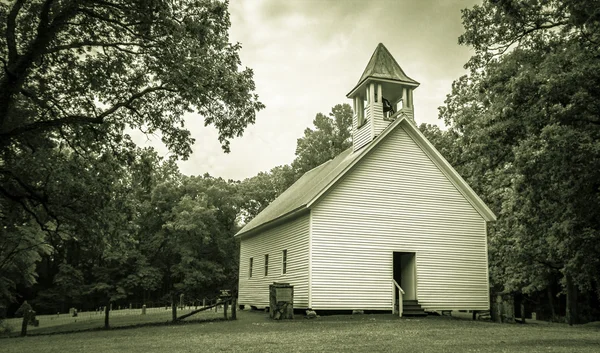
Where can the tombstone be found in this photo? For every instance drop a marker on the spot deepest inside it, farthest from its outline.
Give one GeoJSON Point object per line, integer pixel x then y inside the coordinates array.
{"type": "Point", "coordinates": [503, 308]}
{"type": "Point", "coordinates": [144, 309]}
{"type": "Point", "coordinates": [281, 301]}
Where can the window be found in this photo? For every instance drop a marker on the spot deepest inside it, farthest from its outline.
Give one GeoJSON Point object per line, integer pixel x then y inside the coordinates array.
{"type": "Point", "coordinates": [266, 265]}
{"type": "Point", "coordinates": [250, 267]}
{"type": "Point", "coordinates": [284, 265]}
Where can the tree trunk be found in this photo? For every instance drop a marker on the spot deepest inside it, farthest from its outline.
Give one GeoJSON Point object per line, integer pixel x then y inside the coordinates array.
{"type": "Point", "coordinates": [173, 308]}
{"type": "Point", "coordinates": [551, 303]}
{"type": "Point", "coordinates": [106, 311]}
{"type": "Point", "coordinates": [572, 317]}
{"type": "Point", "coordinates": [523, 310]}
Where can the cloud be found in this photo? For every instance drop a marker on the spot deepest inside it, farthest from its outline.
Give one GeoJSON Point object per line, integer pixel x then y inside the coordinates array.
{"type": "Point", "coordinates": [306, 56]}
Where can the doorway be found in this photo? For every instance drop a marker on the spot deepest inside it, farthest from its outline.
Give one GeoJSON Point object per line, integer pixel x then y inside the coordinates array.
{"type": "Point", "coordinates": [405, 273]}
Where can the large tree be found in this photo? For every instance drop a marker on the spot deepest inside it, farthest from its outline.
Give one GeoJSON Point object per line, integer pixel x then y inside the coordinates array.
{"type": "Point", "coordinates": [76, 74]}
{"type": "Point", "coordinates": [528, 128]}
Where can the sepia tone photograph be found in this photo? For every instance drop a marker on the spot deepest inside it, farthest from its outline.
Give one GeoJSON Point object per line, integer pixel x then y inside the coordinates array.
{"type": "Point", "coordinates": [299, 176]}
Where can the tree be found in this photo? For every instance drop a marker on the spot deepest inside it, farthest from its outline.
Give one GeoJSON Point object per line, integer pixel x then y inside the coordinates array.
{"type": "Point", "coordinates": [186, 233]}
{"type": "Point", "coordinates": [332, 135]}
{"type": "Point", "coordinates": [527, 121]}
{"type": "Point", "coordinates": [76, 74]}
{"type": "Point", "coordinates": [260, 190]}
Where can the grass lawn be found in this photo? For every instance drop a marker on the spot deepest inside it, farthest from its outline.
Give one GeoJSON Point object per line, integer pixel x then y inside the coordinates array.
{"type": "Point", "coordinates": [254, 332]}
{"type": "Point", "coordinates": [94, 320]}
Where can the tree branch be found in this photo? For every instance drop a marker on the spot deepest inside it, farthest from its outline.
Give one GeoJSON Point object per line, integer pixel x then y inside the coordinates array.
{"type": "Point", "coordinates": [97, 44]}
{"type": "Point", "coordinates": [11, 24]}
{"type": "Point", "coordinates": [79, 119]}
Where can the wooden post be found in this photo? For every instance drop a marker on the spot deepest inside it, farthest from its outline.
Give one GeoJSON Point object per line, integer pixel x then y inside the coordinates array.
{"type": "Point", "coordinates": [173, 308]}
{"type": "Point", "coordinates": [474, 315]}
{"type": "Point", "coordinates": [523, 310]}
{"type": "Point", "coordinates": [234, 308]}
{"type": "Point", "coordinates": [225, 308]}
{"type": "Point", "coordinates": [106, 313]}
{"type": "Point", "coordinates": [25, 322]}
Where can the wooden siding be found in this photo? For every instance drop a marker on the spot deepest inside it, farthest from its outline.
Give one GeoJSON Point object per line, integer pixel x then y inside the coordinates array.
{"type": "Point", "coordinates": [396, 199]}
{"type": "Point", "coordinates": [293, 236]}
{"type": "Point", "coordinates": [361, 136]}
{"type": "Point", "coordinates": [378, 123]}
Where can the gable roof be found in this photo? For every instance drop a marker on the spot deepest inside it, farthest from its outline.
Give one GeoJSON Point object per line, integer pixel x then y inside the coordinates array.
{"type": "Point", "coordinates": [314, 184]}
{"type": "Point", "coordinates": [383, 65]}
{"type": "Point", "coordinates": [302, 191]}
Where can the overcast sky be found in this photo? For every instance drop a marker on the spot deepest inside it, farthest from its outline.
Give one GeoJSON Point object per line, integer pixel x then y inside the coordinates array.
{"type": "Point", "coordinates": [308, 54]}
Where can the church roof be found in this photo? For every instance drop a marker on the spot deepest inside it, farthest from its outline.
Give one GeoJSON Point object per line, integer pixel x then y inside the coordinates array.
{"type": "Point", "coordinates": [383, 65]}
{"type": "Point", "coordinates": [299, 197]}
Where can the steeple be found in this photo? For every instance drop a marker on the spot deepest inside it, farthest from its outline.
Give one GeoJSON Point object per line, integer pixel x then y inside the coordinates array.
{"type": "Point", "coordinates": [381, 94]}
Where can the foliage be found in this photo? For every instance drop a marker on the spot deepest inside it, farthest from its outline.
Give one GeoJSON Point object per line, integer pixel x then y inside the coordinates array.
{"type": "Point", "coordinates": [21, 245]}
{"type": "Point", "coordinates": [260, 190]}
{"type": "Point", "coordinates": [187, 234]}
{"type": "Point", "coordinates": [332, 135]}
{"type": "Point", "coordinates": [75, 76]}
{"type": "Point", "coordinates": [526, 130]}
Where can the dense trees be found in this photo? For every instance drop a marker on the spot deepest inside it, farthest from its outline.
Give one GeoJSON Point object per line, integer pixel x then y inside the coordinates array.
{"type": "Point", "coordinates": [75, 75]}
{"type": "Point", "coordinates": [524, 130]}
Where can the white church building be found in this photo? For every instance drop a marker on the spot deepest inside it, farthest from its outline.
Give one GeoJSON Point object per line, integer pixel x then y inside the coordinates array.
{"type": "Point", "coordinates": [386, 225]}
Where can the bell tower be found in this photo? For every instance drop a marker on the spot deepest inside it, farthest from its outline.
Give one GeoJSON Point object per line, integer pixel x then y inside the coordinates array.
{"type": "Point", "coordinates": [382, 93]}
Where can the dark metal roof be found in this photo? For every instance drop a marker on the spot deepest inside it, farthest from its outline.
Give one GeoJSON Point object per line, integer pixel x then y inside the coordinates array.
{"type": "Point", "coordinates": [383, 65]}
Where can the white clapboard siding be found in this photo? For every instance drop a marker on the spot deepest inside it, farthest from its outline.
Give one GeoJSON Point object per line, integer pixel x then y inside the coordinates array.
{"type": "Point", "coordinates": [396, 199]}
{"type": "Point", "coordinates": [378, 123]}
{"type": "Point", "coordinates": [293, 236]}
{"type": "Point", "coordinates": [362, 136]}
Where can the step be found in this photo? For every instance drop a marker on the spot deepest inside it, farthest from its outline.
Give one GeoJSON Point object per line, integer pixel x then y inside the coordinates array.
{"type": "Point", "coordinates": [410, 302]}
{"type": "Point", "coordinates": [414, 313]}
{"type": "Point", "coordinates": [412, 307]}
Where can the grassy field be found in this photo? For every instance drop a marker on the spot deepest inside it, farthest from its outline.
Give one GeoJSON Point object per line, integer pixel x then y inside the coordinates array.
{"type": "Point", "coordinates": [93, 320]}
{"type": "Point", "coordinates": [254, 332]}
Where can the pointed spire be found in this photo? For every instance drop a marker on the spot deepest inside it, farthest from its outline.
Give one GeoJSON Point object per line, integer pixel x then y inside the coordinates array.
{"type": "Point", "coordinates": [383, 65]}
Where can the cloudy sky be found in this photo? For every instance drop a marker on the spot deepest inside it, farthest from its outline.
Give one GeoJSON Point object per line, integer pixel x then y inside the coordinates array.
{"type": "Point", "coordinates": [308, 54]}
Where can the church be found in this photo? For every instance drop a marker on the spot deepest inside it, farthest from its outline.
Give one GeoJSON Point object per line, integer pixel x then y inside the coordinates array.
{"type": "Point", "coordinates": [387, 225]}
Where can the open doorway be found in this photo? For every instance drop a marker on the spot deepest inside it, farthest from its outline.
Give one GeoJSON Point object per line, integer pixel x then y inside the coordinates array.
{"type": "Point", "coordinates": [405, 273]}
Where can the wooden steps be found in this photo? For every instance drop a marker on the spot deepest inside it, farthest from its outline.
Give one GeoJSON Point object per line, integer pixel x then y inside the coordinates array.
{"type": "Point", "coordinates": [412, 308]}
